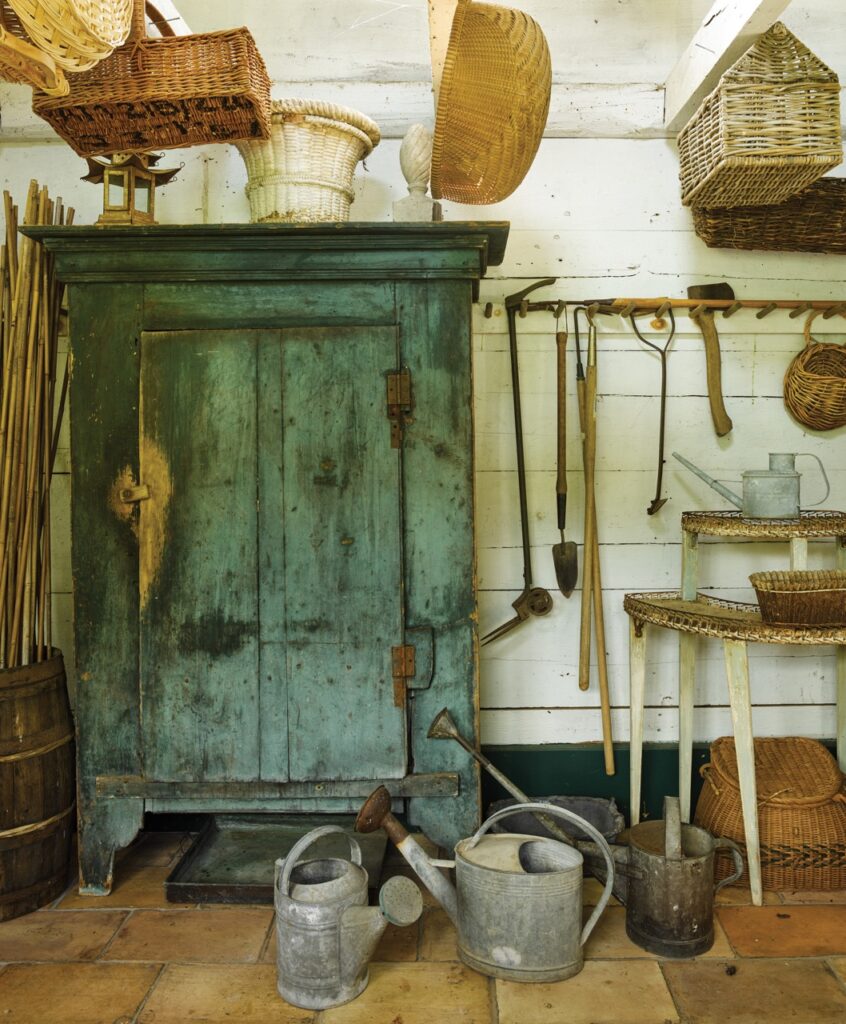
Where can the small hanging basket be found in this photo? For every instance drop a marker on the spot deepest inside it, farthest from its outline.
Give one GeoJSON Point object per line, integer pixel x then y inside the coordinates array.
{"type": "Point", "coordinates": [23, 63]}
{"type": "Point", "coordinates": [815, 383]}
{"type": "Point", "coordinates": [76, 33]}
{"type": "Point", "coordinates": [165, 93]}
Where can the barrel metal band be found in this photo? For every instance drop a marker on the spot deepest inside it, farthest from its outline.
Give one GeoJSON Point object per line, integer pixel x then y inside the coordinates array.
{"type": "Point", "coordinates": [36, 826]}
{"type": "Point", "coordinates": [22, 755]}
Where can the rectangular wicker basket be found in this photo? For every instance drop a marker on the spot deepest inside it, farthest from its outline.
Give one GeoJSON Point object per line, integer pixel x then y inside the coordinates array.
{"type": "Point", "coordinates": [769, 129]}
{"type": "Point", "coordinates": [805, 598]}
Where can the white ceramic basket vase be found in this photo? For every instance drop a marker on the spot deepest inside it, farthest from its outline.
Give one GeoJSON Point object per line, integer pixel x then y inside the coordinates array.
{"type": "Point", "coordinates": [304, 171]}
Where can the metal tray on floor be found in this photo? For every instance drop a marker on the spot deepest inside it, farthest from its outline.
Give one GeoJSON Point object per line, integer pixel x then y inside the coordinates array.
{"type": "Point", "coordinates": [231, 860]}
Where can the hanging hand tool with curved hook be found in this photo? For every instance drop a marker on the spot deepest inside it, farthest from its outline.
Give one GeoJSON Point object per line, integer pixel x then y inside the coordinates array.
{"type": "Point", "coordinates": [658, 502]}
{"type": "Point", "coordinates": [533, 600]}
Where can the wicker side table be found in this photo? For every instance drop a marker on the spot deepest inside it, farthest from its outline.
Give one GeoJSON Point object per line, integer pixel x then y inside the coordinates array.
{"type": "Point", "coordinates": [736, 625]}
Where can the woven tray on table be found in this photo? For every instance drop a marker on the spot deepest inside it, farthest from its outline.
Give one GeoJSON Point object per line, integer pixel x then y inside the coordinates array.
{"type": "Point", "coordinates": [23, 63]}
{"type": "Point", "coordinates": [769, 129]}
{"type": "Point", "coordinates": [165, 93]}
{"type": "Point", "coordinates": [802, 598]}
{"type": "Point", "coordinates": [801, 811]}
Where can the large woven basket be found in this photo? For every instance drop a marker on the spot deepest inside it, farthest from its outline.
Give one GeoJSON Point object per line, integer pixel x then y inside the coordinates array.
{"type": "Point", "coordinates": [492, 104]}
{"type": "Point", "coordinates": [76, 33]}
{"type": "Point", "coordinates": [23, 63]}
{"type": "Point", "coordinates": [815, 383]}
{"type": "Point", "coordinates": [305, 170]}
{"type": "Point", "coordinates": [801, 811]}
{"type": "Point", "coordinates": [802, 597]}
{"type": "Point", "coordinates": [813, 221]}
{"type": "Point", "coordinates": [165, 93]}
{"type": "Point", "coordinates": [769, 129]}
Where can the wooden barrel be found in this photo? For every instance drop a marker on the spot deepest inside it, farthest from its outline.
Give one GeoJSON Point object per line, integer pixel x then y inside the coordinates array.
{"type": "Point", "coordinates": [37, 804]}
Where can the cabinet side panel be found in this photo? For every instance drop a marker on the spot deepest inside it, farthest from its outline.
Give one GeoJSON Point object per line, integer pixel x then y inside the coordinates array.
{"type": "Point", "coordinates": [440, 558]}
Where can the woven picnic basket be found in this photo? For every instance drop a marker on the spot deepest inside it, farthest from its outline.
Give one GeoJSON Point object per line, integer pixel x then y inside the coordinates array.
{"type": "Point", "coordinates": [164, 93]}
{"type": "Point", "coordinates": [22, 62]}
{"type": "Point", "coordinates": [815, 383]}
{"type": "Point", "coordinates": [305, 170]}
{"type": "Point", "coordinates": [812, 221]}
{"type": "Point", "coordinates": [769, 129]}
{"type": "Point", "coordinates": [76, 33]}
{"type": "Point", "coordinates": [801, 811]}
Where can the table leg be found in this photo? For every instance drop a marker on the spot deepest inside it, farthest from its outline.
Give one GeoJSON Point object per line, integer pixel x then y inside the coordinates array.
{"type": "Point", "coordinates": [690, 565]}
{"type": "Point", "coordinates": [841, 671]}
{"type": "Point", "coordinates": [687, 683]}
{"type": "Point", "coordinates": [637, 685]}
{"type": "Point", "coordinates": [798, 553]}
{"type": "Point", "coordinates": [737, 670]}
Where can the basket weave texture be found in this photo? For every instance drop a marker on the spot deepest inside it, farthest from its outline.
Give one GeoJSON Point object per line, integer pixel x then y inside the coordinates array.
{"type": "Point", "coordinates": [815, 383]}
{"type": "Point", "coordinates": [304, 171]}
{"type": "Point", "coordinates": [165, 93]}
{"type": "Point", "coordinates": [492, 105]}
{"type": "Point", "coordinates": [801, 811]}
{"type": "Point", "coordinates": [801, 598]}
{"type": "Point", "coordinates": [769, 129]}
{"type": "Point", "coordinates": [23, 63]}
{"type": "Point", "coordinates": [813, 221]}
{"type": "Point", "coordinates": [76, 33]}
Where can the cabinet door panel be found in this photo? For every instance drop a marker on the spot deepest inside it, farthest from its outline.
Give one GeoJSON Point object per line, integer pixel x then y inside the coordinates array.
{"type": "Point", "coordinates": [198, 549]}
{"type": "Point", "coordinates": [343, 557]}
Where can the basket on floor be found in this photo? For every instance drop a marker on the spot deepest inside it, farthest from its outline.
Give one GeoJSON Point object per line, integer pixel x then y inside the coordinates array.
{"type": "Point", "coordinates": [815, 383]}
{"type": "Point", "coordinates": [76, 33]}
{"type": "Point", "coordinates": [801, 811]}
{"type": "Point", "coordinates": [23, 63]}
{"type": "Point", "coordinates": [165, 93]}
{"type": "Point", "coordinates": [813, 221]}
{"type": "Point", "coordinates": [801, 598]}
{"type": "Point", "coordinates": [769, 129]}
{"type": "Point", "coordinates": [305, 170]}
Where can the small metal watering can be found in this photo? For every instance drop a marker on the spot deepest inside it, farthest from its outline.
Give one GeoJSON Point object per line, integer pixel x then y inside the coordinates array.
{"type": "Point", "coordinates": [767, 493]}
{"type": "Point", "coordinates": [326, 933]}
{"type": "Point", "coordinates": [517, 900]}
{"type": "Point", "coordinates": [670, 908]}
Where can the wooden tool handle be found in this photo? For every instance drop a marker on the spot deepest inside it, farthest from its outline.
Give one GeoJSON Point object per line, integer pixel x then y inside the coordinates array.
{"type": "Point", "coordinates": [589, 425]}
{"type": "Point", "coordinates": [561, 479]}
{"type": "Point", "coordinates": [714, 373]}
{"type": "Point", "coordinates": [601, 658]}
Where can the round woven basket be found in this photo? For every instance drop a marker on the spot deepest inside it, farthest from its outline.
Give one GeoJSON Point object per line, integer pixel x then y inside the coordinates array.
{"type": "Point", "coordinates": [76, 33]}
{"type": "Point", "coordinates": [24, 63]}
{"type": "Point", "coordinates": [801, 811]}
{"type": "Point", "coordinates": [815, 383]}
{"type": "Point", "coordinates": [305, 170]}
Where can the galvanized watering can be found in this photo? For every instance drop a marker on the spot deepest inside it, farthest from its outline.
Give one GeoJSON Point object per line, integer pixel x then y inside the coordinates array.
{"type": "Point", "coordinates": [767, 493]}
{"type": "Point", "coordinates": [670, 908]}
{"type": "Point", "coordinates": [326, 933]}
{"type": "Point", "coordinates": [517, 900]}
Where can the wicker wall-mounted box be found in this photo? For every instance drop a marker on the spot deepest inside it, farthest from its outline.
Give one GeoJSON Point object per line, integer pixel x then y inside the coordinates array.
{"type": "Point", "coordinates": [769, 129]}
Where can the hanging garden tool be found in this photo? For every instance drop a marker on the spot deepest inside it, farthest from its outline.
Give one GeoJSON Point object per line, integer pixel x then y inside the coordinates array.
{"type": "Point", "coordinates": [565, 553]}
{"type": "Point", "coordinates": [658, 502]}
{"type": "Point", "coordinates": [533, 600]}
{"type": "Point", "coordinates": [704, 320]}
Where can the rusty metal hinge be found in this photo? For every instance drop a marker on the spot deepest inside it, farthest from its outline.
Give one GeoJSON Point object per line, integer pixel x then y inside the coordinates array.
{"type": "Point", "coordinates": [400, 403]}
{"type": "Point", "coordinates": [402, 669]}
{"type": "Point", "coordinates": [129, 495]}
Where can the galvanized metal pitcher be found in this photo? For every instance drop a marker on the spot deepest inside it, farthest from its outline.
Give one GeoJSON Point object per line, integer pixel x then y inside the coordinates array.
{"type": "Point", "coordinates": [325, 932]}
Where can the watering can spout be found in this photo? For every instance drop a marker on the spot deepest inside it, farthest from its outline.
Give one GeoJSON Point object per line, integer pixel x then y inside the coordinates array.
{"type": "Point", "coordinates": [400, 903]}
{"type": "Point", "coordinates": [375, 814]}
{"type": "Point", "coordinates": [735, 499]}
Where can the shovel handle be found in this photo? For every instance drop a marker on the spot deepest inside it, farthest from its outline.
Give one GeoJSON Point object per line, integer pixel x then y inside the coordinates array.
{"type": "Point", "coordinates": [561, 479]}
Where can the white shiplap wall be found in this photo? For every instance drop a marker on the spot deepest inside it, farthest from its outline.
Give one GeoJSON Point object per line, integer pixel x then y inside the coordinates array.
{"type": "Point", "coordinates": [599, 210]}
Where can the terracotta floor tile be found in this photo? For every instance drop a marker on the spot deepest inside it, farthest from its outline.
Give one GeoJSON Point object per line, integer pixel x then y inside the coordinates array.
{"type": "Point", "coordinates": [771, 991]}
{"type": "Point", "coordinates": [592, 890]}
{"type": "Point", "coordinates": [268, 956]}
{"type": "Point", "coordinates": [438, 939]}
{"type": "Point", "coordinates": [608, 940]}
{"type": "Point", "coordinates": [417, 994]}
{"type": "Point", "coordinates": [834, 896]}
{"type": "Point", "coordinates": [159, 849]}
{"type": "Point", "coordinates": [398, 944]}
{"type": "Point", "coordinates": [740, 896]}
{"type": "Point", "coordinates": [219, 994]}
{"type": "Point", "coordinates": [838, 965]}
{"type": "Point", "coordinates": [786, 931]}
{"type": "Point", "coordinates": [54, 936]}
{"type": "Point", "coordinates": [192, 936]}
{"type": "Point", "coordinates": [602, 993]}
{"type": "Point", "coordinates": [135, 885]}
{"type": "Point", "coordinates": [74, 993]}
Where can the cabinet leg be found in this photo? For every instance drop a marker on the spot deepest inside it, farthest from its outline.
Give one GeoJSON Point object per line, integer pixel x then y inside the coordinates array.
{"type": "Point", "coordinates": [104, 826]}
{"type": "Point", "coordinates": [637, 684]}
{"type": "Point", "coordinates": [841, 672]}
{"type": "Point", "coordinates": [687, 683]}
{"type": "Point", "coordinates": [737, 670]}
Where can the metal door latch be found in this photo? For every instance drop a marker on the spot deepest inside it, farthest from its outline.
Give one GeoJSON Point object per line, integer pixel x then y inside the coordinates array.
{"type": "Point", "coordinates": [129, 495]}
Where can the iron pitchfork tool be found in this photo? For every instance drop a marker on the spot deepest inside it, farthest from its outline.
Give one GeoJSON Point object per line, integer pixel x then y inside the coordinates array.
{"type": "Point", "coordinates": [533, 600]}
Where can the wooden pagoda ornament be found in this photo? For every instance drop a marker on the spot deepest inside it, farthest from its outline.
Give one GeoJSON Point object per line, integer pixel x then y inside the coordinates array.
{"type": "Point", "coordinates": [129, 186]}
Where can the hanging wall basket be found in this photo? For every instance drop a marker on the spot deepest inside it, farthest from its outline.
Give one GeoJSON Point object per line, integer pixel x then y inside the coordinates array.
{"type": "Point", "coordinates": [815, 383]}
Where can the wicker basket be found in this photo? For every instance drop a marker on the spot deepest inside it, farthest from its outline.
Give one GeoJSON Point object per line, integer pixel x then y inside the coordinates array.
{"type": "Point", "coordinates": [769, 129]}
{"type": "Point", "coordinates": [801, 598]}
{"type": "Point", "coordinates": [76, 33]}
{"type": "Point", "coordinates": [23, 63]}
{"type": "Point", "coordinates": [801, 811]}
{"type": "Point", "coordinates": [304, 172]}
{"type": "Point", "coordinates": [165, 93]}
{"type": "Point", "coordinates": [813, 221]}
{"type": "Point", "coordinates": [815, 383]}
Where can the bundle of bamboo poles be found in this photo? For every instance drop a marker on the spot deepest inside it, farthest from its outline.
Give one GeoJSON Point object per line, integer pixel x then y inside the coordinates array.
{"type": "Point", "coordinates": [30, 418]}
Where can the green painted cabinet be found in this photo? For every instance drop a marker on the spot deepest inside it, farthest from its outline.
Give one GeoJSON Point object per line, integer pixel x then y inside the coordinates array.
{"type": "Point", "coordinates": [271, 431]}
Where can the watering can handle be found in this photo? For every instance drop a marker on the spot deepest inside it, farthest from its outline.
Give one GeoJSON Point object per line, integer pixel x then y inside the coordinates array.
{"type": "Point", "coordinates": [561, 812]}
{"type": "Point", "coordinates": [672, 828]}
{"type": "Point", "coordinates": [736, 856]}
{"type": "Point", "coordinates": [810, 455]}
{"type": "Point", "coordinates": [283, 876]}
